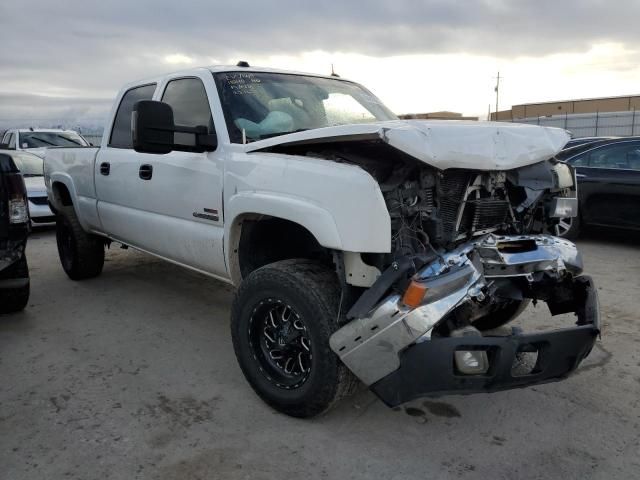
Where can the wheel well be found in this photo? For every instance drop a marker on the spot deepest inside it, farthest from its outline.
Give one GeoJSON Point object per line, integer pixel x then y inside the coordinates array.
{"type": "Point", "coordinates": [61, 194]}
{"type": "Point", "coordinates": [265, 240]}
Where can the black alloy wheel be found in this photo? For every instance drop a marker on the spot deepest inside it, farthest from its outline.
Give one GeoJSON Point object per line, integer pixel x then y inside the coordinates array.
{"type": "Point", "coordinates": [280, 344]}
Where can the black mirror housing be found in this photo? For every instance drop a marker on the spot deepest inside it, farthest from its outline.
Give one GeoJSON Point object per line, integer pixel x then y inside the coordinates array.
{"type": "Point", "coordinates": [152, 127]}
{"type": "Point", "coordinates": [153, 131]}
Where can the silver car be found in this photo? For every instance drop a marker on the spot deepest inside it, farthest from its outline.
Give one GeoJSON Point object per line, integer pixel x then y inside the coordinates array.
{"type": "Point", "coordinates": [32, 169]}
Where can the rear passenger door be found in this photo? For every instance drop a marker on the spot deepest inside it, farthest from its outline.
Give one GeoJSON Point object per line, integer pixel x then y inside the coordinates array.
{"type": "Point", "coordinates": [116, 173]}
{"type": "Point", "coordinates": [180, 193]}
{"type": "Point", "coordinates": [609, 184]}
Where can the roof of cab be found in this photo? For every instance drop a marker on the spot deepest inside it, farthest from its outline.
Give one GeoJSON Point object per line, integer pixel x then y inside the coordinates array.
{"type": "Point", "coordinates": [52, 130]}
{"type": "Point", "coordinates": [235, 68]}
{"type": "Point", "coordinates": [222, 69]}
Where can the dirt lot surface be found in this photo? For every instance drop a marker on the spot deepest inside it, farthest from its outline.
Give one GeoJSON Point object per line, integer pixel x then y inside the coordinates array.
{"type": "Point", "coordinates": [132, 375]}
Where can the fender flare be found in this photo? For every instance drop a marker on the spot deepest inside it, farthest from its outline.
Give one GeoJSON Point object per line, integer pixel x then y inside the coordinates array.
{"type": "Point", "coordinates": [317, 220]}
{"type": "Point", "coordinates": [312, 217]}
{"type": "Point", "coordinates": [67, 181]}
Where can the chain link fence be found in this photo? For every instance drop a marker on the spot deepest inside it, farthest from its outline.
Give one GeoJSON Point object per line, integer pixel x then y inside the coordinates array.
{"type": "Point", "coordinates": [618, 124]}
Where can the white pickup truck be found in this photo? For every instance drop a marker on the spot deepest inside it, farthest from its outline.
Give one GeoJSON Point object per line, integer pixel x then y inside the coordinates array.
{"type": "Point", "coordinates": [363, 247]}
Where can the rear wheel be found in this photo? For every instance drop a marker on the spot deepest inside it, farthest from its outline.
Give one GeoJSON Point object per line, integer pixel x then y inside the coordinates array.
{"type": "Point", "coordinates": [81, 254]}
{"type": "Point", "coordinates": [15, 298]}
{"type": "Point", "coordinates": [282, 317]}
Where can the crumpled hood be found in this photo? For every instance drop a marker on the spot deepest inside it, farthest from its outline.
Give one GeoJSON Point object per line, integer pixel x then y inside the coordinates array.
{"type": "Point", "coordinates": [443, 143]}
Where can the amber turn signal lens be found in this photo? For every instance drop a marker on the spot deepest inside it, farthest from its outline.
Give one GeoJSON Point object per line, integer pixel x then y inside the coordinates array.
{"type": "Point", "coordinates": [414, 294]}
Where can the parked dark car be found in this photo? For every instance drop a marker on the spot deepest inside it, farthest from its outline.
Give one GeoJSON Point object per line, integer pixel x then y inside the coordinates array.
{"type": "Point", "coordinates": [574, 142]}
{"type": "Point", "coordinates": [608, 173]}
{"type": "Point", "coordinates": [14, 229]}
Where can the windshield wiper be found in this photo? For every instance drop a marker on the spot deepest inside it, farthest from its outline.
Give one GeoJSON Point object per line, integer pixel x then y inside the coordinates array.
{"type": "Point", "coordinates": [271, 135]}
{"type": "Point", "coordinates": [43, 141]}
{"type": "Point", "coordinates": [69, 140]}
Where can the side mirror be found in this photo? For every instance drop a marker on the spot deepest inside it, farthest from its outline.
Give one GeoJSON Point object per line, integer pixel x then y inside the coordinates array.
{"type": "Point", "coordinates": [152, 127]}
{"type": "Point", "coordinates": [154, 131]}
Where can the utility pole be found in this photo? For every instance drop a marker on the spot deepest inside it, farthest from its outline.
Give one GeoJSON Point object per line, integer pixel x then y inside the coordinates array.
{"type": "Point", "coordinates": [497, 90]}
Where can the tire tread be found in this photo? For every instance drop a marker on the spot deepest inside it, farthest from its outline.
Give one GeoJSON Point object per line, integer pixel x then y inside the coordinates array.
{"type": "Point", "coordinates": [322, 285]}
{"type": "Point", "coordinates": [88, 258]}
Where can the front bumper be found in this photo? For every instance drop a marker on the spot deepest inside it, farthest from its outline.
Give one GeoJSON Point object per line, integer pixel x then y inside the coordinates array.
{"type": "Point", "coordinates": [428, 368]}
{"type": "Point", "coordinates": [400, 354]}
{"type": "Point", "coordinates": [40, 213]}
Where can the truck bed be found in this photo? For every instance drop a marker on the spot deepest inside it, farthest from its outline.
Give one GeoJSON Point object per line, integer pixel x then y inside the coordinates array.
{"type": "Point", "coordinates": [76, 162]}
{"type": "Point", "coordinates": [74, 167]}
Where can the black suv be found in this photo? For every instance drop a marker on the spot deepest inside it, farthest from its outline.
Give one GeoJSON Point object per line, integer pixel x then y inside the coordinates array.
{"type": "Point", "coordinates": [14, 229]}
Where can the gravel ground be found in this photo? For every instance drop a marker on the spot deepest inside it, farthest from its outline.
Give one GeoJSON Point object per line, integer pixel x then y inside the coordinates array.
{"type": "Point", "coordinates": [132, 375]}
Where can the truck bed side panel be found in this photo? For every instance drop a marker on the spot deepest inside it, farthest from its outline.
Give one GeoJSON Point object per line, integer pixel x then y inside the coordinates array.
{"type": "Point", "coordinates": [74, 167]}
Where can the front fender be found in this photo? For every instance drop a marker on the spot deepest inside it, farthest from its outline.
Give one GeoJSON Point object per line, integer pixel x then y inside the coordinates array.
{"type": "Point", "coordinates": [340, 204]}
{"type": "Point", "coordinates": [312, 217]}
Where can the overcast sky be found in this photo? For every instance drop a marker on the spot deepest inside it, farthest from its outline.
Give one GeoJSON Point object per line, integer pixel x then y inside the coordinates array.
{"type": "Point", "coordinates": [67, 59]}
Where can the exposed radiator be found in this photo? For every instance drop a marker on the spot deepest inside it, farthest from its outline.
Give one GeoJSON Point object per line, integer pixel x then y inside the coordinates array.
{"type": "Point", "coordinates": [453, 186]}
{"type": "Point", "coordinates": [478, 215]}
{"type": "Point", "coordinates": [488, 213]}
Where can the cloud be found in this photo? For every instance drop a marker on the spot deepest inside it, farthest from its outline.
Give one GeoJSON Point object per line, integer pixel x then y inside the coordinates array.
{"type": "Point", "coordinates": [89, 49]}
{"type": "Point", "coordinates": [26, 110]}
{"type": "Point", "coordinates": [177, 59]}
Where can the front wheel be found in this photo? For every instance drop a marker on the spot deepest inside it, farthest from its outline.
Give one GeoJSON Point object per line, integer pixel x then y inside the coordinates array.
{"type": "Point", "coordinates": [503, 315]}
{"type": "Point", "coordinates": [281, 319]}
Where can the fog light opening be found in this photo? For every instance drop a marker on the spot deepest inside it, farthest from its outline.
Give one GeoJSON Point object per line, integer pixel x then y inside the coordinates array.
{"type": "Point", "coordinates": [525, 361]}
{"type": "Point", "coordinates": [471, 362]}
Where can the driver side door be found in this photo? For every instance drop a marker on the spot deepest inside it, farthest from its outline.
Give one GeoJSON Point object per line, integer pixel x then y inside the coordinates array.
{"type": "Point", "coordinates": [180, 193]}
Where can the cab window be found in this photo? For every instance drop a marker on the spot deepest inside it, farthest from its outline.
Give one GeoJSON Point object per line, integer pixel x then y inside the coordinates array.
{"type": "Point", "coordinates": [188, 99]}
{"type": "Point", "coordinates": [121, 131]}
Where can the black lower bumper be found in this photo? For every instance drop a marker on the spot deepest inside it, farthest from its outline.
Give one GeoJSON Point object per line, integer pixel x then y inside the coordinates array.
{"type": "Point", "coordinates": [12, 250]}
{"type": "Point", "coordinates": [428, 368]}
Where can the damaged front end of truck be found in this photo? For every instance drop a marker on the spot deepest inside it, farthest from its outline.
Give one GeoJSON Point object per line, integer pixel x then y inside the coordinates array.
{"type": "Point", "coordinates": [424, 341]}
{"type": "Point", "coordinates": [472, 211]}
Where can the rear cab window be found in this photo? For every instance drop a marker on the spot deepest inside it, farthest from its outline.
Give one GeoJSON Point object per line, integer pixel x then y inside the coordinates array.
{"type": "Point", "coordinates": [121, 131]}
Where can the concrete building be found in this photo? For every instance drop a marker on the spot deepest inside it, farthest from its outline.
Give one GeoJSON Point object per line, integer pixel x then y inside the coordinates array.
{"type": "Point", "coordinates": [436, 116]}
{"type": "Point", "coordinates": [627, 103]}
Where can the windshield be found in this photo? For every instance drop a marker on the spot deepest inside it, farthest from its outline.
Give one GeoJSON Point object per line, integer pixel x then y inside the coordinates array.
{"type": "Point", "coordinates": [29, 165]}
{"type": "Point", "coordinates": [264, 105]}
{"type": "Point", "coordinates": [51, 139]}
